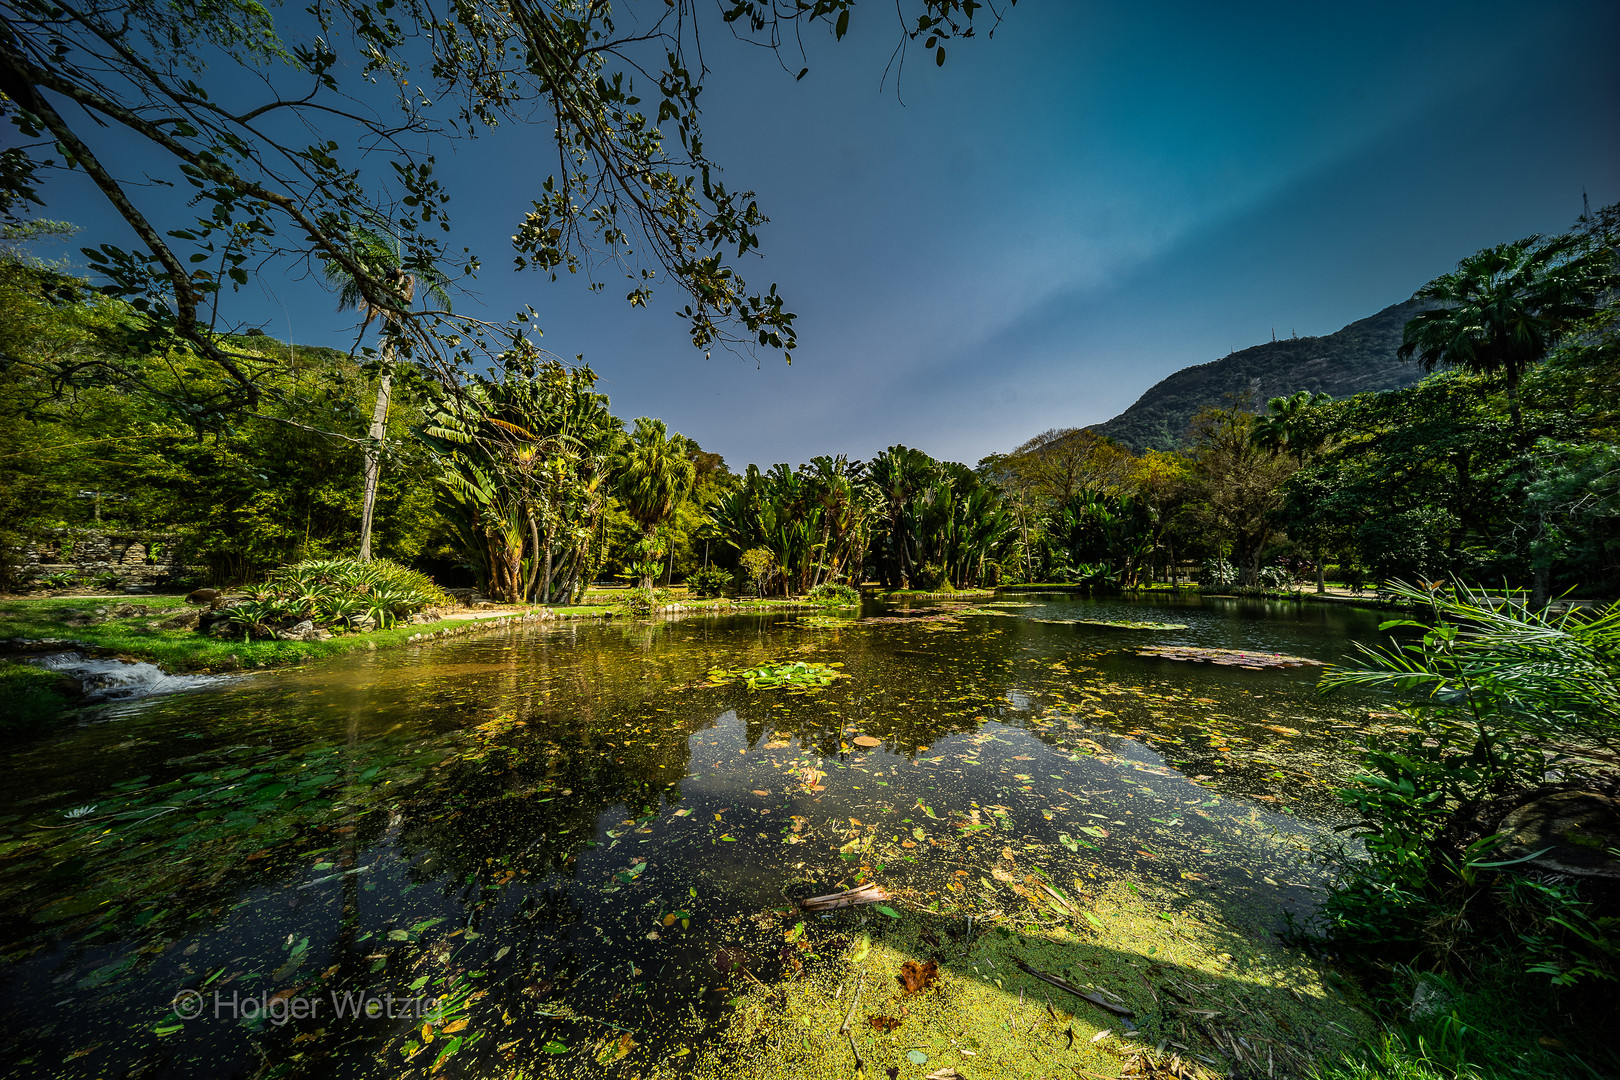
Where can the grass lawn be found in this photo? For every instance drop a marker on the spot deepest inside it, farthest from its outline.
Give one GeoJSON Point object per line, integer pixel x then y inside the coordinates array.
{"type": "Point", "coordinates": [136, 637]}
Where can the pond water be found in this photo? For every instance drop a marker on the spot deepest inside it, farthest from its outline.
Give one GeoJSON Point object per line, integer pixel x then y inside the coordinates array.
{"type": "Point", "coordinates": [557, 850]}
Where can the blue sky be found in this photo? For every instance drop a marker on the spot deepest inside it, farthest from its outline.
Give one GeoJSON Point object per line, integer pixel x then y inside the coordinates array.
{"type": "Point", "coordinates": [1063, 215]}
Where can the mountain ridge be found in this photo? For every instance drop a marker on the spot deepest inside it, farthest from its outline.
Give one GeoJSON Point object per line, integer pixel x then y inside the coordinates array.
{"type": "Point", "coordinates": [1357, 358]}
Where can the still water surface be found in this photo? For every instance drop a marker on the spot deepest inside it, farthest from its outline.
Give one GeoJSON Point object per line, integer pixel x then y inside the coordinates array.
{"type": "Point", "coordinates": [561, 834]}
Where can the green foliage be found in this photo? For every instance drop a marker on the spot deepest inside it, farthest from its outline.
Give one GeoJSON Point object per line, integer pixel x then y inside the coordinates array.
{"type": "Point", "coordinates": [267, 491]}
{"type": "Point", "coordinates": [1275, 577]}
{"type": "Point", "coordinates": [151, 636]}
{"type": "Point", "coordinates": [1507, 671]}
{"type": "Point", "coordinates": [1497, 1027]}
{"type": "Point", "coordinates": [525, 462]}
{"type": "Point", "coordinates": [1485, 686]}
{"type": "Point", "coordinates": [645, 601]}
{"type": "Point", "coordinates": [1573, 496]}
{"type": "Point", "coordinates": [632, 190]}
{"type": "Point", "coordinates": [835, 594]}
{"type": "Point", "coordinates": [708, 581]}
{"type": "Point", "coordinates": [654, 470]}
{"type": "Point", "coordinates": [794, 675]}
{"type": "Point", "coordinates": [815, 521]}
{"type": "Point", "coordinates": [938, 524]}
{"type": "Point", "coordinates": [329, 592]}
{"type": "Point", "coordinates": [1504, 307]}
{"type": "Point", "coordinates": [759, 564]}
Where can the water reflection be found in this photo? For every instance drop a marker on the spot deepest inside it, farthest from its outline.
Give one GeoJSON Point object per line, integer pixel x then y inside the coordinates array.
{"type": "Point", "coordinates": [566, 837]}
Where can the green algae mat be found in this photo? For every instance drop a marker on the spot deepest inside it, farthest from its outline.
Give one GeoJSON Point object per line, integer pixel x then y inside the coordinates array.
{"type": "Point", "coordinates": [1204, 996]}
{"type": "Point", "coordinates": [569, 851]}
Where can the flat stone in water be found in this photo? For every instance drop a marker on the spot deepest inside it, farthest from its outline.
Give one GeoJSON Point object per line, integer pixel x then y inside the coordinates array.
{"type": "Point", "coordinates": [1254, 661]}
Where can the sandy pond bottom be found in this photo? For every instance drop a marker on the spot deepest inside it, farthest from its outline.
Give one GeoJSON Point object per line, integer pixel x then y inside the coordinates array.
{"type": "Point", "coordinates": [590, 857]}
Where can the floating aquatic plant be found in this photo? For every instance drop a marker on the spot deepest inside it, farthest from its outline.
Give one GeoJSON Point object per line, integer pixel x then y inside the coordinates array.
{"type": "Point", "coordinates": [794, 675]}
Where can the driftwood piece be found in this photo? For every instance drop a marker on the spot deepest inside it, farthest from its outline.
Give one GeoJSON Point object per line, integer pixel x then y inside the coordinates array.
{"type": "Point", "coordinates": [1064, 984]}
{"type": "Point", "coordinates": [870, 893]}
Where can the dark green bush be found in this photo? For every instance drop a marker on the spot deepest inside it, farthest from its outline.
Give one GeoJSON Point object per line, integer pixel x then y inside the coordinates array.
{"type": "Point", "coordinates": [709, 581]}
{"type": "Point", "coordinates": [645, 601]}
{"type": "Point", "coordinates": [834, 594]}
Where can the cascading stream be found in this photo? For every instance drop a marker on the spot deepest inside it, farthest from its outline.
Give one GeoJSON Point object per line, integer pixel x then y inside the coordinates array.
{"type": "Point", "coordinates": [119, 680]}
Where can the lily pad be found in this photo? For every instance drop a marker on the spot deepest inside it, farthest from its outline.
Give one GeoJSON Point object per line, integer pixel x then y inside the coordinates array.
{"type": "Point", "coordinates": [793, 675]}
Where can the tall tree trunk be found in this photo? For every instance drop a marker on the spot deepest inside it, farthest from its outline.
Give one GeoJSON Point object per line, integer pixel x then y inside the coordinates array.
{"type": "Point", "coordinates": [545, 579]}
{"type": "Point", "coordinates": [646, 574]}
{"type": "Point", "coordinates": [1321, 571]}
{"type": "Point", "coordinates": [373, 468]}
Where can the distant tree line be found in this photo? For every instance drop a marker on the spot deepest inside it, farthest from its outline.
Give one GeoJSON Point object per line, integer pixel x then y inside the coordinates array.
{"type": "Point", "coordinates": [1499, 467]}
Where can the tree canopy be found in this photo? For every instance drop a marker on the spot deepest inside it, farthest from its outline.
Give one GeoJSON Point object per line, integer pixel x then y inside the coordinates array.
{"type": "Point", "coordinates": [294, 142]}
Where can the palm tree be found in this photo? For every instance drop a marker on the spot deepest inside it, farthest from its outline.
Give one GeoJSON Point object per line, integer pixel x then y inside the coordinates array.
{"type": "Point", "coordinates": [901, 474]}
{"type": "Point", "coordinates": [1285, 428]}
{"type": "Point", "coordinates": [524, 459]}
{"type": "Point", "coordinates": [381, 261]}
{"type": "Point", "coordinates": [1502, 308]}
{"type": "Point", "coordinates": [655, 472]}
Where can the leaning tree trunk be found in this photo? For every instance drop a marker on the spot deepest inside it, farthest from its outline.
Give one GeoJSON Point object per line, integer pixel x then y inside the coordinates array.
{"type": "Point", "coordinates": [373, 469]}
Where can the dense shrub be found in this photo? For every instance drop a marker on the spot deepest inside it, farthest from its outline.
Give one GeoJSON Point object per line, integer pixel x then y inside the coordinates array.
{"type": "Point", "coordinates": [834, 594]}
{"type": "Point", "coordinates": [31, 696]}
{"type": "Point", "coordinates": [760, 565]}
{"type": "Point", "coordinates": [645, 601]}
{"type": "Point", "coordinates": [709, 581]}
{"type": "Point", "coordinates": [1217, 574]}
{"type": "Point", "coordinates": [1275, 577]}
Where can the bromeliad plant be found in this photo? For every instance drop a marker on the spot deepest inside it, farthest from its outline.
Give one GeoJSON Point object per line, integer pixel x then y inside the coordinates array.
{"type": "Point", "coordinates": [329, 592]}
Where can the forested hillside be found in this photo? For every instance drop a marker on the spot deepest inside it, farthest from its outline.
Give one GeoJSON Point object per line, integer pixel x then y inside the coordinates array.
{"type": "Point", "coordinates": [1358, 358]}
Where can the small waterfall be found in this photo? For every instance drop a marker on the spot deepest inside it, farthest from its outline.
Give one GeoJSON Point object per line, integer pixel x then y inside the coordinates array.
{"type": "Point", "coordinates": [119, 680]}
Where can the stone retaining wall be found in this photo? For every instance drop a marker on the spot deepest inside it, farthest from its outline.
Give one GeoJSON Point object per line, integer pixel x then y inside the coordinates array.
{"type": "Point", "coordinates": [137, 558]}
